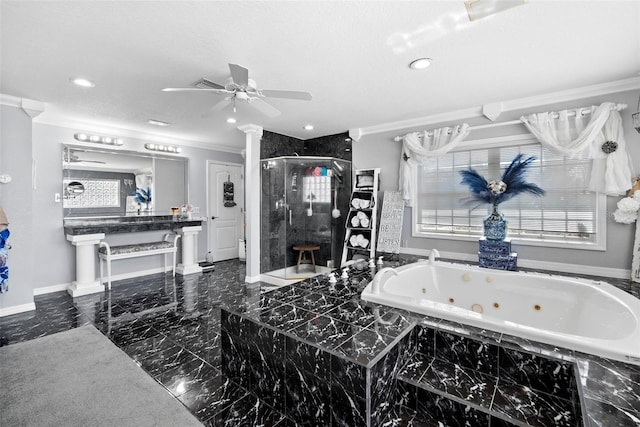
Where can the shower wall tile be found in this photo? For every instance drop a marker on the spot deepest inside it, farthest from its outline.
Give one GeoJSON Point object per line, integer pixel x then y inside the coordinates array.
{"type": "Point", "coordinates": [338, 145]}
{"type": "Point", "coordinates": [275, 145]}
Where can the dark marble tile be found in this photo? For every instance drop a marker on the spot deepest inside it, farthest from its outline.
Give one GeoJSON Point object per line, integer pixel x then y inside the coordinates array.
{"type": "Point", "coordinates": [286, 317]}
{"type": "Point", "coordinates": [468, 386]}
{"type": "Point", "coordinates": [246, 412]}
{"type": "Point", "coordinates": [348, 378]}
{"type": "Point", "coordinates": [212, 397]}
{"type": "Point", "coordinates": [307, 398]}
{"type": "Point", "coordinates": [364, 345]}
{"type": "Point", "coordinates": [356, 312]}
{"type": "Point", "coordinates": [324, 331]}
{"type": "Point", "coordinates": [533, 408]}
{"type": "Point", "coordinates": [609, 381]}
{"type": "Point", "coordinates": [425, 339]}
{"type": "Point", "coordinates": [466, 352]}
{"type": "Point", "coordinates": [308, 358]}
{"type": "Point", "coordinates": [416, 367]}
{"type": "Point", "coordinates": [188, 376]}
{"type": "Point", "coordinates": [539, 373]}
{"type": "Point", "coordinates": [602, 414]}
{"type": "Point", "coordinates": [435, 410]}
{"type": "Point", "coordinates": [317, 302]}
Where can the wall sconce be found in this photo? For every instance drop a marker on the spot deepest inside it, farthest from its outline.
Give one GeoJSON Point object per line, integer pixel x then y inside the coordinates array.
{"type": "Point", "coordinates": [478, 9]}
{"type": "Point", "coordinates": [98, 139]}
{"type": "Point", "coordinates": [161, 147]}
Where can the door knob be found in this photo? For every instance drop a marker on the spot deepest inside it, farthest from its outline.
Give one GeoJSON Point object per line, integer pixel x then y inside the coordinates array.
{"type": "Point", "coordinates": [213, 217]}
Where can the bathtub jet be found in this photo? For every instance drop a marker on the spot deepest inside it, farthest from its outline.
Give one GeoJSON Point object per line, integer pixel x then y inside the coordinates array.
{"type": "Point", "coordinates": [589, 316]}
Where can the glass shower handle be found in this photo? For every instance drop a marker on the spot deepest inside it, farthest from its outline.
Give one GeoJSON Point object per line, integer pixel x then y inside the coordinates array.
{"type": "Point", "coordinates": [290, 217]}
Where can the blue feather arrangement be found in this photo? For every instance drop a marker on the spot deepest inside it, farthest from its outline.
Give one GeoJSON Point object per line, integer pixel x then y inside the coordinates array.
{"type": "Point", "coordinates": [495, 192]}
{"type": "Point", "coordinates": [143, 196]}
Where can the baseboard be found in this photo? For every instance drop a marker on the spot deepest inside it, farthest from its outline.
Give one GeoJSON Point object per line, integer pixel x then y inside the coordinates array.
{"type": "Point", "coordinates": [51, 289]}
{"type": "Point", "coordinates": [63, 287]}
{"type": "Point", "coordinates": [16, 309]}
{"type": "Point", "coordinates": [614, 273]}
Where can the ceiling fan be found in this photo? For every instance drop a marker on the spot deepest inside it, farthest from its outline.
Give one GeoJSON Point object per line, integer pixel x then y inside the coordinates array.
{"type": "Point", "coordinates": [239, 87]}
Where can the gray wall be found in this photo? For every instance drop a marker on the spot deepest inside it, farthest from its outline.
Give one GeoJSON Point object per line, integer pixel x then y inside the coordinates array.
{"type": "Point", "coordinates": [17, 200]}
{"type": "Point", "coordinates": [56, 256]}
{"type": "Point", "coordinates": [379, 150]}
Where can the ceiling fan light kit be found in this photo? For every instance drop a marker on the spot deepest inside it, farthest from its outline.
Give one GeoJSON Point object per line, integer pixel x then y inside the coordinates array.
{"type": "Point", "coordinates": [478, 9]}
{"type": "Point", "coordinates": [239, 87]}
{"type": "Point", "coordinates": [83, 137]}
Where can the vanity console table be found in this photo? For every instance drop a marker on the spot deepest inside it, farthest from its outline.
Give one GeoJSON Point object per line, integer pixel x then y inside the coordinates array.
{"type": "Point", "coordinates": [87, 233]}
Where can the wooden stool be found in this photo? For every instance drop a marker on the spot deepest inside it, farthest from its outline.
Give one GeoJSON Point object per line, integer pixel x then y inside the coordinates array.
{"type": "Point", "coordinates": [301, 250]}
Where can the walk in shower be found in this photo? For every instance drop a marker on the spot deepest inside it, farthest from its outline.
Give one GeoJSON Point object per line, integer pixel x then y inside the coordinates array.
{"type": "Point", "coordinates": [305, 201]}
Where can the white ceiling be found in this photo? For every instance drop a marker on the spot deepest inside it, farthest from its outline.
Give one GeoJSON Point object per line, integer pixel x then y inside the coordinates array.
{"type": "Point", "coordinates": [351, 55]}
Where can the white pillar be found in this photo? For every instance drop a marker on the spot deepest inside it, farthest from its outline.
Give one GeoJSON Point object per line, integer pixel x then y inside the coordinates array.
{"type": "Point", "coordinates": [189, 239]}
{"type": "Point", "coordinates": [86, 282]}
{"type": "Point", "coordinates": [252, 194]}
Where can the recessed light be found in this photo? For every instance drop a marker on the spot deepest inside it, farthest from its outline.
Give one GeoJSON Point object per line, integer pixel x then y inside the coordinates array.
{"type": "Point", "coordinates": [157, 122]}
{"type": "Point", "coordinates": [82, 82]}
{"type": "Point", "coordinates": [308, 127]}
{"type": "Point", "coordinates": [420, 63]}
{"type": "Point", "coordinates": [231, 120]}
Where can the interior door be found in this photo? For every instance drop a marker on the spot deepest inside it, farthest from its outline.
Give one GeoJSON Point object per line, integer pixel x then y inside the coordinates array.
{"type": "Point", "coordinates": [226, 210]}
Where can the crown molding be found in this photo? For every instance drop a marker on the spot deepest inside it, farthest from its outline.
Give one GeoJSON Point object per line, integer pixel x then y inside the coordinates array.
{"type": "Point", "coordinates": [509, 105]}
{"type": "Point", "coordinates": [88, 126]}
{"type": "Point", "coordinates": [10, 100]}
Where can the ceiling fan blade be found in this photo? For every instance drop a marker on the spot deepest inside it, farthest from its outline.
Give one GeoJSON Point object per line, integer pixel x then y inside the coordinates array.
{"type": "Point", "coordinates": [239, 74]}
{"type": "Point", "coordinates": [264, 108]}
{"type": "Point", "coordinates": [208, 84]}
{"type": "Point", "coordinates": [288, 94]}
{"type": "Point", "coordinates": [196, 89]}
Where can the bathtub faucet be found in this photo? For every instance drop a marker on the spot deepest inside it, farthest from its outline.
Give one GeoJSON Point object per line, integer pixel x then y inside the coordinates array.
{"type": "Point", "coordinates": [433, 256]}
{"type": "Point", "coordinates": [375, 283]}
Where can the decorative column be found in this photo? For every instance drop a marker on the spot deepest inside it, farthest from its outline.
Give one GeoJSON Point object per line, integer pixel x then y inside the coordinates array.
{"type": "Point", "coordinates": [189, 249]}
{"type": "Point", "coordinates": [252, 181]}
{"type": "Point", "coordinates": [86, 282]}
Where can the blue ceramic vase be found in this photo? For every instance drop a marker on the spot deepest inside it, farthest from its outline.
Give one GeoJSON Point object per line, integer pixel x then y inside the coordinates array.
{"type": "Point", "coordinates": [495, 226]}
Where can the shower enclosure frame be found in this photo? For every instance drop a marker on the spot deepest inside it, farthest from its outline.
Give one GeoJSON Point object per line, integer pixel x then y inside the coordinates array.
{"type": "Point", "coordinates": [299, 196]}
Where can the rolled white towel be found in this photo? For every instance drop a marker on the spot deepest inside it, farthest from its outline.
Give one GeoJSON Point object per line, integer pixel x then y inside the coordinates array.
{"type": "Point", "coordinates": [353, 240]}
{"type": "Point", "coordinates": [364, 243]}
{"type": "Point", "coordinates": [364, 222]}
{"type": "Point", "coordinates": [355, 221]}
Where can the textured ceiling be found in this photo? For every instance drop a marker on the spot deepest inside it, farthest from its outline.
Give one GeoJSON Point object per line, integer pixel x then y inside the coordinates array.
{"type": "Point", "coordinates": [351, 55]}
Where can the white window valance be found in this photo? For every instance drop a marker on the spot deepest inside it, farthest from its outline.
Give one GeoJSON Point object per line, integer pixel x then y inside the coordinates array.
{"type": "Point", "coordinates": [417, 147]}
{"type": "Point", "coordinates": [600, 139]}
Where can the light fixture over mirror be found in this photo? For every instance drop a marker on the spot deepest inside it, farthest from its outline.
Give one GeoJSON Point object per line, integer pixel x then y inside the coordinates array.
{"type": "Point", "coordinates": [108, 140]}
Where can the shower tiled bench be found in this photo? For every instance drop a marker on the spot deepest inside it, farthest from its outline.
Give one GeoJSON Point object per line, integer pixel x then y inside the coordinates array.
{"type": "Point", "coordinates": [320, 355]}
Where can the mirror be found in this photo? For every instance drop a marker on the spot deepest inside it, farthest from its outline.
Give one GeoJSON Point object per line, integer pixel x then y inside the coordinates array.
{"type": "Point", "coordinates": [102, 182]}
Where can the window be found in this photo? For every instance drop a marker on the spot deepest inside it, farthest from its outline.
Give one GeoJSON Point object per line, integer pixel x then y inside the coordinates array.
{"type": "Point", "coordinates": [316, 188]}
{"type": "Point", "coordinates": [567, 215]}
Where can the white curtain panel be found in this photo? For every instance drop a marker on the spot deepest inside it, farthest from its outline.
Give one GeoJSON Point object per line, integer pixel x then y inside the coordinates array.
{"type": "Point", "coordinates": [417, 147]}
{"type": "Point", "coordinates": [567, 133]}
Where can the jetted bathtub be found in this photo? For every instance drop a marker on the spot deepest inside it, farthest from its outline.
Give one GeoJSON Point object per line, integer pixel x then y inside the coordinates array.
{"type": "Point", "coordinates": [589, 316]}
